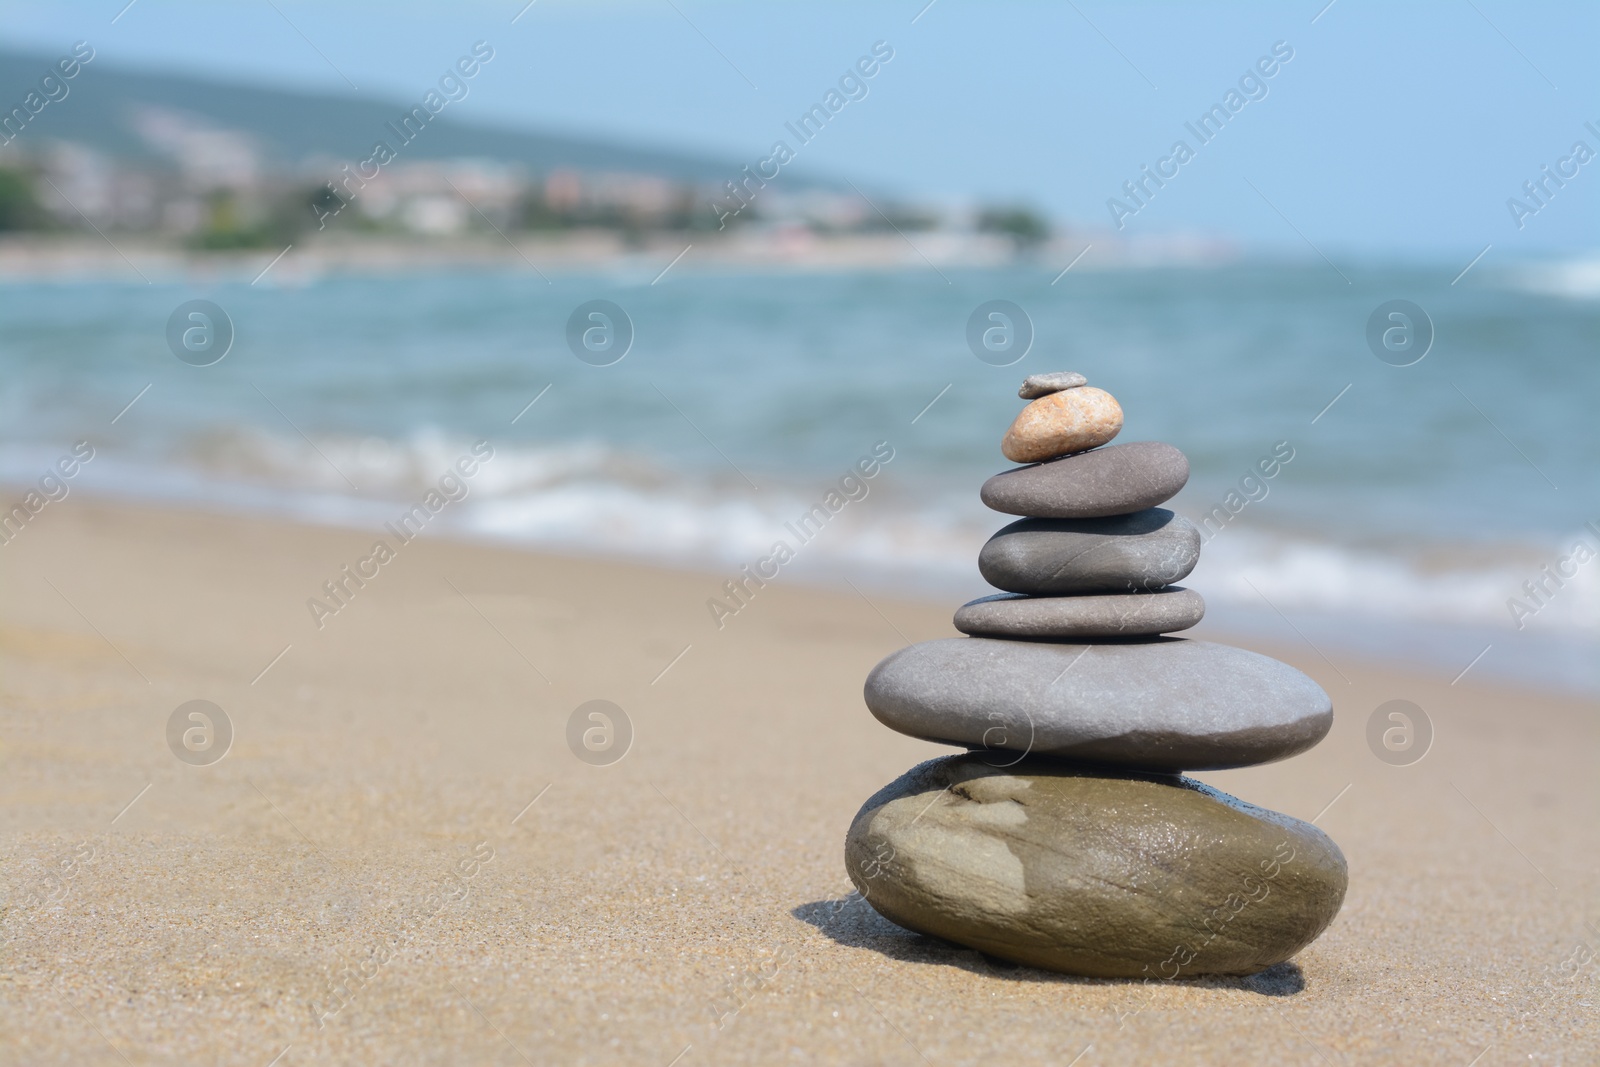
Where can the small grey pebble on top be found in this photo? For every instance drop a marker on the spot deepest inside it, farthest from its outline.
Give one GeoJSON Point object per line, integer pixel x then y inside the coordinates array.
{"type": "Point", "coordinates": [1037, 385]}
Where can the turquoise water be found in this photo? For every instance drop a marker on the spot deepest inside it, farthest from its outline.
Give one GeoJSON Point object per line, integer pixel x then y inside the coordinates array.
{"type": "Point", "coordinates": [1414, 506]}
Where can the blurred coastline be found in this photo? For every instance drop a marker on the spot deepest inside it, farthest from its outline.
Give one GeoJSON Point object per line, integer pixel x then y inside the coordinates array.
{"type": "Point", "coordinates": [34, 257]}
{"type": "Point", "coordinates": [173, 172]}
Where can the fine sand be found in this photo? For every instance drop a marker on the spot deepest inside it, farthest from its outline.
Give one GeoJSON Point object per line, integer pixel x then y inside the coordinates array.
{"type": "Point", "coordinates": [687, 904]}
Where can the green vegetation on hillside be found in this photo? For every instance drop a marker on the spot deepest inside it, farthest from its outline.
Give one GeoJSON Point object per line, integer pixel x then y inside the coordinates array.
{"type": "Point", "coordinates": [19, 207]}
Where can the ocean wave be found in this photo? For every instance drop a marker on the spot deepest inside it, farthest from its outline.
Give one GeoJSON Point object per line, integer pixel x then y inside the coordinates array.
{"type": "Point", "coordinates": [1576, 279]}
{"type": "Point", "coordinates": [587, 498]}
{"type": "Point", "coordinates": [1294, 571]}
{"type": "Point", "coordinates": [384, 468]}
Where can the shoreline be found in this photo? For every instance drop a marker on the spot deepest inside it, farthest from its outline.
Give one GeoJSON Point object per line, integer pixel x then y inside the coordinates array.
{"type": "Point", "coordinates": [125, 256]}
{"type": "Point", "coordinates": [76, 258]}
{"type": "Point", "coordinates": [1553, 662]}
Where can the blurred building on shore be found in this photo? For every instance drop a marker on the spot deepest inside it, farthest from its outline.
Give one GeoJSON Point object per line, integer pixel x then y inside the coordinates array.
{"type": "Point", "coordinates": [207, 186]}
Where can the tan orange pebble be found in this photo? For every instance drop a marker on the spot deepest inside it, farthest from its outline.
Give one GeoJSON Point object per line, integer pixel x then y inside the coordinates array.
{"type": "Point", "coordinates": [1073, 420]}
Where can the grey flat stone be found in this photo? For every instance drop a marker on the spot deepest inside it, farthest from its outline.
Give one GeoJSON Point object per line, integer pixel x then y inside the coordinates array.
{"type": "Point", "coordinates": [1037, 385]}
{"type": "Point", "coordinates": [1121, 553]}
{"type": "Point", "coordinates": [1111, 480]}
{"type": "Point", "coordinates": [1094, 615]}
{"type": "Point", "coordinates": [1116, 876]}
{"type": "Point", "coordinates": [1166, 704]}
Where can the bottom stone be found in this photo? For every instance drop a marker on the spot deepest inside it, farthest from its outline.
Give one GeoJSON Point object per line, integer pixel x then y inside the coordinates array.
{"type": "Point", "coordinates": [1093, 872]}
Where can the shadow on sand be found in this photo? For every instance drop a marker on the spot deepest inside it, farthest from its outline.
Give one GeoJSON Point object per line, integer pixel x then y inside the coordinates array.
{"type": "Point", "coordinates": [849, 921]}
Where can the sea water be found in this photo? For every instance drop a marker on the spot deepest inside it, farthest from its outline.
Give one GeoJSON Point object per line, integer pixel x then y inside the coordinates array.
{"type": "Point", "coordinates": [1418, 502]}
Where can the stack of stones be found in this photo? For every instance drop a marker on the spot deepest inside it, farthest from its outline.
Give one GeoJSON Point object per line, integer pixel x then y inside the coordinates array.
{"type": "Point", "coordinates": [1067, 836]}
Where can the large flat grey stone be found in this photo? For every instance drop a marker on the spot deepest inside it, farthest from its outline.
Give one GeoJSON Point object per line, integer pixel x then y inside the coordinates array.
{"type": "Point", "coordinates": [1111, 480]}
{"type": "Point", "coordinates": [1118, 876]}
{"type": "Point", "coordinates": [1121, 553]}
{"type": "Point", "coordinates": [1091, 615]}
{"type": "Point", "coordinates": [1165, 704]}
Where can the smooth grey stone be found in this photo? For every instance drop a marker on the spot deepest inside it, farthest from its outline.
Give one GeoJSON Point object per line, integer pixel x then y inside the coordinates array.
{"type": "Point", "coordinates": [1037, 385]}
{"type": "Point", "coordinates": [1095, 615]}
{"type": "Point", "coordinates": [1093, 873]}
{"type": "Point", "coordinates": [1110, 480]}
{"type": "Point", "coordinates": [1121, 553]}
{"type": "Point", "coordinates": [1166, 704]}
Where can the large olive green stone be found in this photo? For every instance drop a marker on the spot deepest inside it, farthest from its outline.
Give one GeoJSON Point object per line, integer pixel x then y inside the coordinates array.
{"type": "Point", "coordinates": [1093, 872]}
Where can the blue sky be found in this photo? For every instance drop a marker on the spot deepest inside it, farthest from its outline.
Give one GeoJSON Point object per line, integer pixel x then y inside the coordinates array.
{"type": "Point", "coordinates": [1396, 128]}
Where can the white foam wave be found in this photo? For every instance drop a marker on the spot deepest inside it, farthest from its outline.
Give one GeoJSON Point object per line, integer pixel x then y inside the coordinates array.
{"type": "Point", "coordinates": [1294, 572]}
{"type": "Point", "coordinates": [591, 499]}
{"type": "Point", "coordinates": [1577, 279]}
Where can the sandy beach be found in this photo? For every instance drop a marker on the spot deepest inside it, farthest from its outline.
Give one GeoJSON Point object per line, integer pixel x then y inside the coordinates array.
{"type": "Point", "coordinates": [400, 860]}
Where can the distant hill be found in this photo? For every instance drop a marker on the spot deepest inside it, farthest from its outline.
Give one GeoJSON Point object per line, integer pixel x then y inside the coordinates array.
{"type": "Point", "coordinates": [291, 127]}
